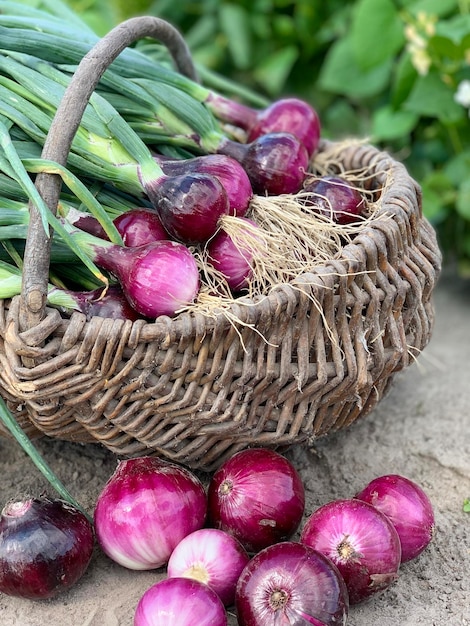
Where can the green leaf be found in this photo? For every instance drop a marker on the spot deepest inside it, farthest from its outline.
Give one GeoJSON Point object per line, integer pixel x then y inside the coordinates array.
{"type": "Point", "coordinates": [341, 74]}
{"type": "Point", "coordinates": [432, 97]}
{"type": "Point", "coordinates": [377, 32]}
{"type": "Point", "coordinates": [455, 28]}
{"type": "Point", "coordinates": [405, 75]}
{"type": "Point", "coordinates": [462, 202]}
{"type": "Point", "coordinates": [466, 505]}
{"type": "Point", "coordinates": [433, 7]}
{"type": "Point", "coordinates": [391, 124]}
{"type": "Point", "coordinates": [273, 72]}
{"type": "Point", "coordinates": [438, 194]}
{"type": "Point", "coordinates": [458, 168]}
{"type": "Point", "coordinates": [235, 24]}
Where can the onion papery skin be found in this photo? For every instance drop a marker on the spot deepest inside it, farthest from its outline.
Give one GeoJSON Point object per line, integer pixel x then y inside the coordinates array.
{"type": "Point", "coordinates": [157, 279]}
{"type": "Point", "coordinates": [289, 115]}
{"type": "Point", "coordinates": [276, 163]}
{"type": "Point", "coordinates": [360, 540]}
{"type": "Point", "coordinates": [291, 584]}
{"type": "Point", "coordinates": [228, 172]}
{"type": "Point", "coordinates": [145, 509]}
{"type": "Point", "coordinates": [213, 557]}
{"type": "Point", "coordinates": [45, 547]}
{"type": "Point", "coordinates": [408, 508]}
{"type": "Point", "coordinates": [180, 602]}
{"type": "Point", "coordinates": [139, 227]}
{"type": "Point", "coordinates": [189, 206]}
{"type": "Point", "coordinates": [257, 496]}
{"type": "Point", "coordinates": [335, 198]}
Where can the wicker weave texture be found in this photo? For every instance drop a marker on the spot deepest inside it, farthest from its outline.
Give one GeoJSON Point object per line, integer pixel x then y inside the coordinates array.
{"type": "Point", "coordinates": [302, 362]}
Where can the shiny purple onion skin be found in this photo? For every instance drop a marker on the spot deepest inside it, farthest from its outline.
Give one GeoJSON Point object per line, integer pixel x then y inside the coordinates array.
{"type": "Point", "coordinates": [145, 509]}
{"type": "Point", "coordinates": [289, 115]}
{"type": "Point", "coordinates": [407, 506]}
{"type": "Point", "coordinates": [180, 602]}
{"type": "Point", "coordinates": [157, 279]}
{"type": "Point", "coordinates": [140, 226]}
{"type": "Point", "coordinates": [213, 557]}
{"type": "Point", "coordinates": [291, 584]}
{"type": "Point", "coordinates": [45, 548]}
{"type": "Point", "coordinates": [276, 163]}
{"type": "Point", "coordinates": [232, 261]}
{"type": "Point", "coordinates": [189, 206]}
{"type": "Point", "coordinates": [257, 496]}
{"type": "Point", "coordinates": [337, 199]}
{"type": "Point", "coordinates": [228, 171]}
{"type": "Point", "coordinates": [360, 540]}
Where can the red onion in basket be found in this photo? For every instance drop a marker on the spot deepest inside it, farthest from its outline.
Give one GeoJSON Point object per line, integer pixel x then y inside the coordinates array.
{"type": "Point", "coordinates": [180, 602]}
{"type": "Point", "coordinates": [360, 540]}
{"type": "Point", "coordinates": [45, 547]}
{"type": "Point", "coordinates": [289, 115]}
{"type": "Point", "coordinates": [407, 507]}
{"type": "Point", "coordinates": [275, 163]}
{"type": "Point", "coordinates": [335, 198]}
{"type": "Point", "coordinates": [145, 509]}
{"type": "Point", "coordinates": [211, 556]}
{"type": "Point", "coordinates": [233, 256]}
{"type": "Point", "coordinates": [228, 172]}
{"type": "Point", "coordinates": [190, 206]}
{"type": "Point", "coordinates": [291, 584]}
{"type": "Point", "coordinates": [256, 495]}
{"type": "Point", "coordinates": [140, 226]}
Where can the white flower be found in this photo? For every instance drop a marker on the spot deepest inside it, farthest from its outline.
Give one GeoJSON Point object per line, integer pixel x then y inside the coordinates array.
{"type": "Point", "coordinates": [462, 95]}
{"type": "Point", "coordinates": [420, 59]}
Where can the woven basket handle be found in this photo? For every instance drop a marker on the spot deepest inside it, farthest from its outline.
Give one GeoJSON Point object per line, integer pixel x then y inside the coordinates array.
{"type": "Point", "coordinates": [59, 140]}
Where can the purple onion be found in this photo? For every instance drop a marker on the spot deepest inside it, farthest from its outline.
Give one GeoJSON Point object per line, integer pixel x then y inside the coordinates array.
{"type": "Point", "coordinates": [213, 557]}
{"type": "Point", "coordinates": [45, 547]}
{"type": "Point", "coordinates": [228, 171]}
{"type": "Point", "coordinates": [257, 496]}
{"type": "Point", "coordinates": [145, 509]}
{"type": "Point", "coordinates": [86, 222]}
{"type": "Point", "coordinates": [289, 115]}
{"type": "Point", "coordinates": [335, 198]}
{"type": "Point", "coordinates": [189, 206]}
{"type": "Point", "coordinates": [360, 540]}
{"type": "Point", "coordinates": [408, 508]}
{"type": "Point", "coordinates": [233, 260]}
{"type": "Point", "coordinates": [180, 602]}
{"type": "Point", "coordinates": [137, 227]}
{"type": "Point", "coordinates": [140, 226]}
{"type": "Point", "coordinates": [291, 584]}
{"type": "Point", "coordinates": [275, 163]}
{"type": "Point", "coordinates": [157, 279]}
{"type": "Point", "coordinates": [113, 304]}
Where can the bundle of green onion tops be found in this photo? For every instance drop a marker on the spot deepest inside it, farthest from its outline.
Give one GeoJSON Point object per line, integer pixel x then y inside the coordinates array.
{"type": "Point", "coordinates": [174, 195]}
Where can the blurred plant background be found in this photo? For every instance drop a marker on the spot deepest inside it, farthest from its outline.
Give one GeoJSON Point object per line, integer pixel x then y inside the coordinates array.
{"type": "Point", "coordinates": [396, 72]}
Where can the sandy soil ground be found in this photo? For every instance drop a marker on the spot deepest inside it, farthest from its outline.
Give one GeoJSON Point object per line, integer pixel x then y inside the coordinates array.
{"type": "Point", "coordinates": [421, 430]}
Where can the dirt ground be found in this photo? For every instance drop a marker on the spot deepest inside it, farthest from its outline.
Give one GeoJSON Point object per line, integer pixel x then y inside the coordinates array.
{"type": "Point", "coordinates": [421, 430]}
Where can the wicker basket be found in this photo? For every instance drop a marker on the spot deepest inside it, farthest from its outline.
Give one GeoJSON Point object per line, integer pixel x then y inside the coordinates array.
{"type": "Point", "coordinates": [195, 389]}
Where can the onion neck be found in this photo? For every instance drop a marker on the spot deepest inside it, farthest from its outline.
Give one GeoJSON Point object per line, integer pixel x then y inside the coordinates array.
{"type": "Point", "coordinates": [232, 112]}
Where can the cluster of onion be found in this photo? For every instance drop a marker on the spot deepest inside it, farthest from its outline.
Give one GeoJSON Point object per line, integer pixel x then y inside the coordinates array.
{"type": "Point", "coordinates": [236, 541]}
{"type": "Point", "coordinates": [230, 545]}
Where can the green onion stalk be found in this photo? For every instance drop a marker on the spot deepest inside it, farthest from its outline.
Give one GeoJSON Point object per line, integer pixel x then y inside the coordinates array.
{"type": "Point", "coordinates": [170, 108]}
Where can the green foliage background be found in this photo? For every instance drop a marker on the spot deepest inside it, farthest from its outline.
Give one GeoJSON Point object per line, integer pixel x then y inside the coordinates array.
{"type": "Point", "coordinates": [385, 70]}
